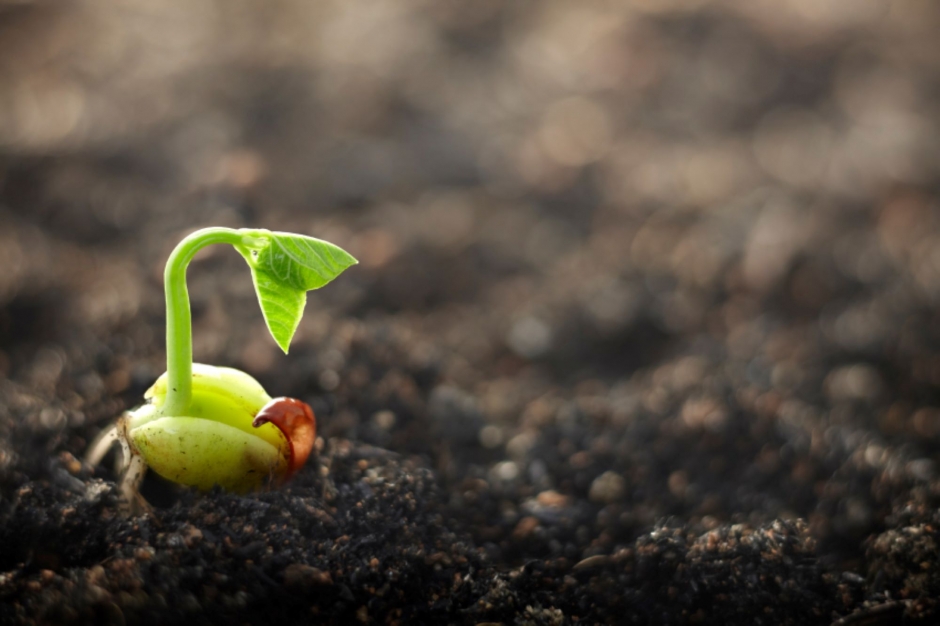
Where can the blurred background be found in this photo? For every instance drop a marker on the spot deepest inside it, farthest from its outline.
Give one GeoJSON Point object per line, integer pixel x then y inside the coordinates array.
{"type": "Point", "coordinates": [605, 246]}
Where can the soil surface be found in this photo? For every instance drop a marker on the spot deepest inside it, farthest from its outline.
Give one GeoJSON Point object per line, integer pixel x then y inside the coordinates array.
{"type": "Point", "coordinates": [645, 328]}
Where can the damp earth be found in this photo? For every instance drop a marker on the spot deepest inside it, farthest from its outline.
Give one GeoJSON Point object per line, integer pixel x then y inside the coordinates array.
{"type": "Point", "coordinates": [646, 328]}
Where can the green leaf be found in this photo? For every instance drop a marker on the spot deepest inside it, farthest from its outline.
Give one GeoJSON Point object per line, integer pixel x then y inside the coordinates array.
{"type": "Point", "coordinates": [285, 270]}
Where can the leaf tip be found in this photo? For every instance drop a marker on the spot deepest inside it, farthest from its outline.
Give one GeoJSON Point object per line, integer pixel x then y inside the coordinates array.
{"type": "Point", "coordinates": [282, 338]}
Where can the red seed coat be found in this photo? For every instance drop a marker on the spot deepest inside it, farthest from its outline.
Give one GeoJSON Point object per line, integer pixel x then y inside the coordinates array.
{"type": "Point", "coordinates": [295, 419]}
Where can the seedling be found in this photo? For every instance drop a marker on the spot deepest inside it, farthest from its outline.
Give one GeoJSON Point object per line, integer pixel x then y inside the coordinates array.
{"type": "Point", "coordinates": [204, 425]}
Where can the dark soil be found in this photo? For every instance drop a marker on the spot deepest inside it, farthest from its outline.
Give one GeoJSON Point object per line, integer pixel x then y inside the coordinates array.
{"type": "Point", "coordinates": [645, 329]}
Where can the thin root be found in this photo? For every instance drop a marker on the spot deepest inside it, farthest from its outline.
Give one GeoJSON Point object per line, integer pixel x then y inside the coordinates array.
{"type": "Point", "coordinates": [131, 467]}
{"type": "Point", "coordinates": [100, 446]}
{"type": "Point", "coordinates": [133, 476]}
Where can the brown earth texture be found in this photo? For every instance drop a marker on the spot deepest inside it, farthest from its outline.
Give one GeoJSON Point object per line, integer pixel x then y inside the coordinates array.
{"type": "Point", "coordinates": [645, 329]}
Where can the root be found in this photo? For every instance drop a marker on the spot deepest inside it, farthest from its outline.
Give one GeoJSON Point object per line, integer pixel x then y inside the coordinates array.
{"type": "Point", "coordinates": [133, 476]}
{"type": "Point", "coordinates": [102, 443]}
{"type": "Point", "coordinates": [130, 466]}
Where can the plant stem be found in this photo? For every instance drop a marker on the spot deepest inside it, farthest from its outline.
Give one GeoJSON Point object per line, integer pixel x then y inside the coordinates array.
{"type": "Point", "coordinates": [179, 328]}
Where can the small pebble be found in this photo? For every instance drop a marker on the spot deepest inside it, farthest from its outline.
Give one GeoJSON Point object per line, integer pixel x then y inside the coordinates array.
{"type": "Point", "coordinates": [597, 560]}
{"type": "Point", "coordinates": [304, 576]}
{"type": "Point", "coordinates": [607, 488]}
{"type": "Point", "coordinates": [525, 527]}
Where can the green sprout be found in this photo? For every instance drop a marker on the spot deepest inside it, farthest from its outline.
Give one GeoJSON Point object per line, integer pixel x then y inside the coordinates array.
{"type": "Point", "coordinates": [204, 425]}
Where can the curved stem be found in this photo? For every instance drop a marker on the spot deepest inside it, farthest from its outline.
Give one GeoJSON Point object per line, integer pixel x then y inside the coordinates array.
{"type": "Point", "coordinates": [179, 330]}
